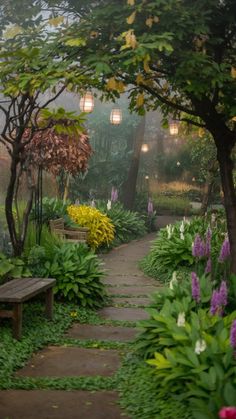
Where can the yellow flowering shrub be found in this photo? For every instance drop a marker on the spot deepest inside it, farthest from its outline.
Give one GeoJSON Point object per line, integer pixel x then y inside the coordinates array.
{"type": "Point", "coordinates": [101, 229]}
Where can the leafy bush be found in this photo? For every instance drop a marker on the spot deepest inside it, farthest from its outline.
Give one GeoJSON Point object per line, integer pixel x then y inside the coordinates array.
{"type": "Point", "coordinates": [172, 250]}
{"type": "Point", "coordinates": [47, 238]}
{"type": "Point", "coordinates": [101, 229]}
{"type": "Point", "coordinates": [12, 268]}
{"type": "Point", "coordinates": [165, 307]}
{"type": "Point", "coordinates": [52, 208]}
{"type": "Point", "coordinates": [128, 224]}
{"type": "Point", "coordinates": [76, 269]}
{"type": "Point", "coordinates": [197, 362]}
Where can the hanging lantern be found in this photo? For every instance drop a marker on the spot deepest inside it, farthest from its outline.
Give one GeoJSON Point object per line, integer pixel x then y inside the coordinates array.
{"type": "Point", "coordinates": [116, 116]}
{"type": "Point", "coordinates": [174, 128]}
{"type": "Point", "coordinates": [145, 148]}
{"type": "Point", "coordinates": [86, 103]}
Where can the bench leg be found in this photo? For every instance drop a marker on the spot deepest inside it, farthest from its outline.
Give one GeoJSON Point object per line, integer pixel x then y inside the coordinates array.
{"type": "Point", "coordinates": [17, 320]}
{"type": "Point", "coordinates": [49, 303]}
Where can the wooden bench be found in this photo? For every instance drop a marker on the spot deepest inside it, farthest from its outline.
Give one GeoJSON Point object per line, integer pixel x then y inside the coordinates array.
{"type": "Point", "coordinates": [75, 235]}
{"type": "Point", "coordinates": [18, 291]}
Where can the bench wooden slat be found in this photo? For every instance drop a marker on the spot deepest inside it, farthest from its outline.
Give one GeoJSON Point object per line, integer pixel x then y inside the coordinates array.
{"type": "Point", "coordinates": [26, 290]}
{"type": "Point", "coordinates": [14, 285]}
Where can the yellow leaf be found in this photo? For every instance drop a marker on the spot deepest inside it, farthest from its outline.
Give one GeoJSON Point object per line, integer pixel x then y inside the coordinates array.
{"type": "Point", "coordinates": [139, 79]}
{"type": "Point", "coordinates": [146, 64]}
{"type": "Point", "coordinates": [111, 84]}
{"type": "Point", "coordinates": [131, 2]}
{"type": "Point", "coordinates": [120, 86]}
{"type": "Point", "coordinates": [130, 39]}
{"type": "Point", "coordinates": [234, 118]}
{"type": "Point", "coordinates": [233, 72]}
{"type": "Point", "coordinates": [140, 100]}
{"type": "Point", "coordinates": [156, 19]}
{"type": "Point", "coordinates": [131, 18]}
{"type": "Point", "coordinates": [56, 21]}
{"type": "Point", "coordinates": [149, 22]}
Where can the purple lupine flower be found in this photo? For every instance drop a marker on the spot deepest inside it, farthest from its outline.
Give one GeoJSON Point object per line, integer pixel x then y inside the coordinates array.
{"type": "Point", "coordinates": [150, 207]}
{"type": "Point", "coordinates": [198, 249]}
{"type": "Point", "coordinates": [214, 302]}
{"type": "Point", "coordinates": [208, 266]}
{"type": "Point", "coordinates": [225, 251]}
{"type": "Point", "coordinates": [196, 293]}
{"type": "Point", "coordinates": [114, 194]}
{"type": "Point", "coordinates": [219, 299]}
{"type": "Point", "coordinates": [223, 293]}
{"type": "Point", "coordinates": [233, 335]}
{"type": "Point", "coordinates": [208, 242]}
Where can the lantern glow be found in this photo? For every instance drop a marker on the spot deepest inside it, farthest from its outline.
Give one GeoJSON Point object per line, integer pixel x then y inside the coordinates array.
{"type": "Point", "coordinates": [174, 128]}
{"type": "Point", "coordinates": [87, 102]}
{"type": "Point", "coordinates": [145, 148]}
{"type": "Point", "coordinates": [116, 116]}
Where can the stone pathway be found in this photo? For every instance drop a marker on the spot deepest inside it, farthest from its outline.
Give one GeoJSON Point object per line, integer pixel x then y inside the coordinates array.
{"type": "Point", "coordinates": [128, 288]}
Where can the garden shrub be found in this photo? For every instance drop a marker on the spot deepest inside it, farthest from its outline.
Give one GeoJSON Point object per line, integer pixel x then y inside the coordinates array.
{"type": "Point", "coordinates": [101, 229]}
{"type": "Point", "coordinates": [12, 268]}
{"type": "Point", "coordinates": [172, 249]}
{"type": "Point", "coordinates": [52, 208]}
{"type": "Point", "coordinates": [197, 362]}
{"type": "Point", "coordinates": [76, 269]}
{"type": "Point", "coordinates": [128, 225]}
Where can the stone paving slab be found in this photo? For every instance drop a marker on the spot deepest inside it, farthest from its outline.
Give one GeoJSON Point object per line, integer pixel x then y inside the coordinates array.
{"type": "Point", "coordinates": [132, 291]}
{"type": "Point", "coordinates": [127, 280]}
{"type": "Point", "coordinates": [139, 301]}
{"type": "Point", "coordinates": [50, 404]}
{"type": "Point", "coordinates": [123, 313]}
{"type": "Point", "coordinates": [88, 331]}
{"type": "Point", "coordinates": [65, 361]}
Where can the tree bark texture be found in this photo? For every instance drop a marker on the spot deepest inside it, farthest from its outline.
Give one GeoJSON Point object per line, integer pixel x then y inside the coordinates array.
{"type": "Point", "coordinates": [210, 181]}
{"type": "Point", "coordinates": [129, 187]}
{"type": "Point", "coordinates": [224, 150]}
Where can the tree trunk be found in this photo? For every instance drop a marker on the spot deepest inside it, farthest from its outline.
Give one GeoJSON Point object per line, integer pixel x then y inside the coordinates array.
{"type": "Point", "coordinates": [210, 180]}
{"type": "Point", "coordinates": [66, 188]}
{"type": "Point", "coordinates": [17, 237]}
{"type": "Point", "coordinates": [129, 187]}
{"type": "Point", "coordinates": [17, 245]}
{"type": "Point", "coordinates": [224, 150]}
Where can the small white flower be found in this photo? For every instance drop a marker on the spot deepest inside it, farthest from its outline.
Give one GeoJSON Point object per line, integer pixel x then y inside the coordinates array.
{"type": "Point", "coordinates": [200, 346]}
{"type": "Point", "coordinates": [93, 203]}
{"type": "Point", "coordinates": [182, 236]}
{"type": "Point", "coordinates": [173, 281]}
{"type": "Point", "coordinates": [181, 320]}
{"type": "Point", "coordinates": [109, 204]}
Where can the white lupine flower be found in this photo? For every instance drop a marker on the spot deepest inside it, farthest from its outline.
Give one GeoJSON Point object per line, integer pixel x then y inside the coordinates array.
{"type": "Point", "coordinates": [173, 281]}
{"type": "Point", "coordinates": [181, 229]}
{"type": "Point", "coordinates": [200, 346]}
{"type": "Point", "coordinates": [181, 320]}
{"type": "Point", "coordinates": [169, 231]}
{"type": "Point", "coordinates": [109, 204]}
{"type": "Point", "coordinates": [182, 236]}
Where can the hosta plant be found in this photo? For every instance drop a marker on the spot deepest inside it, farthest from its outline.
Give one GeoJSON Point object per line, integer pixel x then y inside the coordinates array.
{"type": "Point", "coordinates": [77, 271]}
{"type": "Point", "coordinates": [101, 229]}
{"type": "Point", "coordinates": [128, 225]}
{"type": "Point", "coordinates": [196, 360]}
{"type": "Point", "coordinates": [12, 268]}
